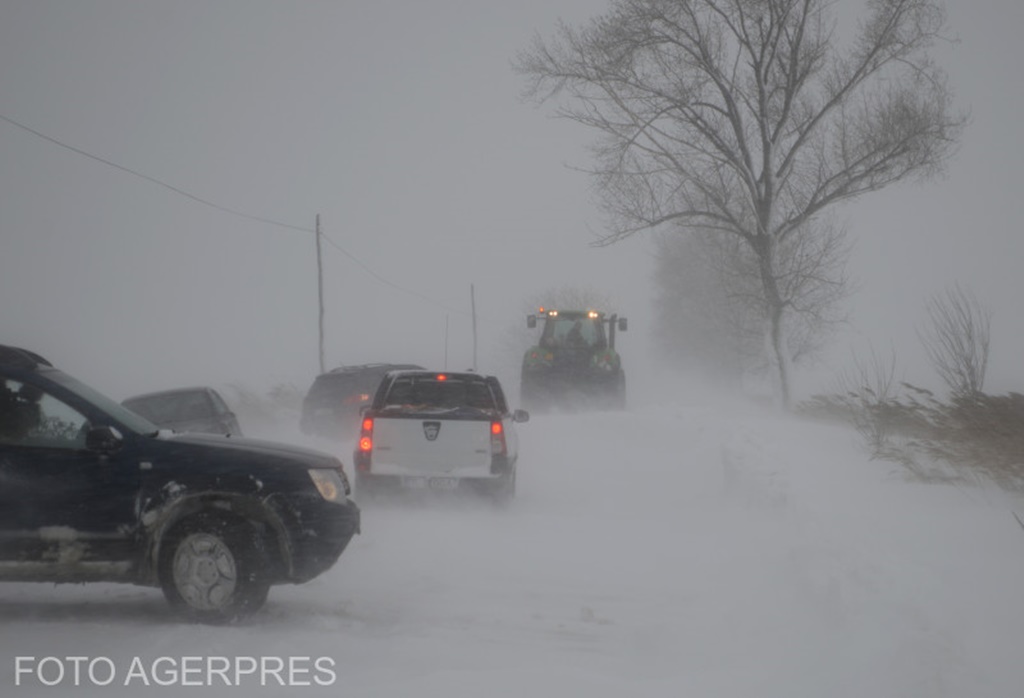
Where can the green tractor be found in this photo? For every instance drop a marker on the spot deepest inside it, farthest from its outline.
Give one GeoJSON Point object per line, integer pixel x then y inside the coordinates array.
{"type": "Point", "coordinates": [574, 364]}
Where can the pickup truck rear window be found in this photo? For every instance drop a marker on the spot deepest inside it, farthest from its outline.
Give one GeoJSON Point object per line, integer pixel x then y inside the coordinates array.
{"type": "Point", "coordinates": [448, 394]}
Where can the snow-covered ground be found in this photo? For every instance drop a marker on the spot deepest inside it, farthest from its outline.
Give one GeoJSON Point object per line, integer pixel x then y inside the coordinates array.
{"type": "Point", "coordinates": [687, 548]}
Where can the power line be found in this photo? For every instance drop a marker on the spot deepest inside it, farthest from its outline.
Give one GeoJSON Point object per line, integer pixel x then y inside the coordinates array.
{"type": "Point", "coordinates": [225, 209]}
{"type": "Point", "coordinates": [154, 180]}
{"type": "Point", "coordinates": [384, 281]}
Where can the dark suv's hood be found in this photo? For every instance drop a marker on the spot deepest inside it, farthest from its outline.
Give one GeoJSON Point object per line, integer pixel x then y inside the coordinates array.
{"type": "Point", "coordinates": [280, 452]}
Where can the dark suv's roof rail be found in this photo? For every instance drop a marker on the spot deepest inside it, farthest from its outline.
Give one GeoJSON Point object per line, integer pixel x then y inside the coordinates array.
{"type": "Point", "coordinates": [21, 358]}
{"type": "Point", "coordinates": [364, 367]}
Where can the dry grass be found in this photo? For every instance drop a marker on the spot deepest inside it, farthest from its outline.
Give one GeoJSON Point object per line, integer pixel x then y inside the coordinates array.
{"type": "Point", "coordinates": [979, 436]}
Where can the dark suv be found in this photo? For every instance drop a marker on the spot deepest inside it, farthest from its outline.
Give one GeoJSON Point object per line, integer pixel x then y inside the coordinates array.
{"type": "Point", "coordinates": [90, 491]}
{"type": "Point", "coordinates": [331, 407]}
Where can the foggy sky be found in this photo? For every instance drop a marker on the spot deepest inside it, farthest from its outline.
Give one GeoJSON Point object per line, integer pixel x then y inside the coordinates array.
{"type": "Point", "coordinates": [400, 124]}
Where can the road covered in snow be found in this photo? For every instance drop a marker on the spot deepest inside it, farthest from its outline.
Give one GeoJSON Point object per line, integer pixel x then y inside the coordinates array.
{"type": "Point", "coordinates": [699, 548]}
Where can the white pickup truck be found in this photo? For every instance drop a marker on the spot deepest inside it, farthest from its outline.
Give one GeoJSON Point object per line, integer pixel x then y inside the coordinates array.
{"type": "Point", "coordinates": [439, 430]}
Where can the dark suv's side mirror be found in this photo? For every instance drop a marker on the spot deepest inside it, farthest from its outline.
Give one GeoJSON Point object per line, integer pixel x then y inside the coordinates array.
{"type": "Point", "coordinates": [531, 321]}
{"type": "Point", "coordinates": [104, 439]}
{"type": "Point", "coordinates": [623, 325]}
{"type": "Point", "coordinates": [520, 416]}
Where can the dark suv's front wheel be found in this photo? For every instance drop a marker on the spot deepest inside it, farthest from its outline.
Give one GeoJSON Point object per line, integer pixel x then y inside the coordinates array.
{"type": "Point", "coordinates": [210, 569]}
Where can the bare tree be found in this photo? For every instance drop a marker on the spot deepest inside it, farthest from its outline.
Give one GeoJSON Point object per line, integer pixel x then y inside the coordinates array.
{"type": "Point", "coordinates": [957, 339]}
{"type": "Point", "coordinates": [749, 118]}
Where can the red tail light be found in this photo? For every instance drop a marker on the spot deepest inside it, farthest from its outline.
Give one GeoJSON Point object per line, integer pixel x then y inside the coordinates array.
{"type": "Point", "coordinates": [497, 439]}
{"type": "Point", "coordinates": [366, 436]}
{"type": "Point", "coordinates": [365, 446]}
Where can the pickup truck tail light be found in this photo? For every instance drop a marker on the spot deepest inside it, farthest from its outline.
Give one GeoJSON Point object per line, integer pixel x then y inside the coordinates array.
{"type": "Point", "coordinates": [498, 447]}
{"type": "Point", "coordinates": [365, 446]}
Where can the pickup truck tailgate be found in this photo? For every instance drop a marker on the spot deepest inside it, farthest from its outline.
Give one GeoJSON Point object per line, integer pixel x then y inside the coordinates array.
{"type": "Point", "coordinates": [424, 446]}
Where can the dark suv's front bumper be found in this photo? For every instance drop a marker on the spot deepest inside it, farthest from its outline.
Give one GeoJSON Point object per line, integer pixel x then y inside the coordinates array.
{"type": "Point", "coordinates": [318, 533]}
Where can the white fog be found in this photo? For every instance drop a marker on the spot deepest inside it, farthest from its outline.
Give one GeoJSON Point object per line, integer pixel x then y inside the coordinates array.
{"type": "Point", "coordinates": [163, 166]}
{"type": "Point", "coordinates": [692, 546]}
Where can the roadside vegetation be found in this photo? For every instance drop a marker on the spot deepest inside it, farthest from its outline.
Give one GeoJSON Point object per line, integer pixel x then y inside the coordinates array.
{"type": "Point", "coordinates": [972, 438]}
{"type": "Point", "coordinates": [967, 434]}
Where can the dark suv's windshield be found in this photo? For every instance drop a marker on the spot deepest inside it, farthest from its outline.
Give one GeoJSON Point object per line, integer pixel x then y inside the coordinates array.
{"type": "Point", "coordinates": [122, 414]}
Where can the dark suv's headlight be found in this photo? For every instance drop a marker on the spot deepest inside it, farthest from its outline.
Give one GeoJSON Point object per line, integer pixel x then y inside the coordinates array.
{"type": "Point", "coordinates": [330, 483]}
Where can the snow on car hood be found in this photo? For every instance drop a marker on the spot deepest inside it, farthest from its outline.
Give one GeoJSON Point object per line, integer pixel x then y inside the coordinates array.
{"type": "Point", "coordinates": [305, 457]}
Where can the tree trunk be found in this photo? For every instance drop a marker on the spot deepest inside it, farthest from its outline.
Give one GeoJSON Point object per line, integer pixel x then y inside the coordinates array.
{"type": "Point", "coordinates": [775, 310]}
{"type": "Point", "coordinates": [781, 352]}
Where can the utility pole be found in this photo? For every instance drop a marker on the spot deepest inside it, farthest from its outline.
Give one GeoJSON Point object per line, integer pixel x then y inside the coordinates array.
{"type": "Point", "coordinates": [472, 305]}
{"type": "Point", "coordinates": [320, 289]}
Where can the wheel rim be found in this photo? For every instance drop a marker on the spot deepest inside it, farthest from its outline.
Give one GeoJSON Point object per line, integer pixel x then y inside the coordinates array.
{"type": "Point", "coordinates": [205, 572]}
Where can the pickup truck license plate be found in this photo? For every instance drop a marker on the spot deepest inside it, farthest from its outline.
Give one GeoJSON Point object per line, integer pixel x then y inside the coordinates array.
{"type": "Point", "coordinates": [434, 483]}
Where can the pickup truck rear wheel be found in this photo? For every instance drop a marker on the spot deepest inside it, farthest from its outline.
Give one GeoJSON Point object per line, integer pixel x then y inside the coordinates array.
{"type": "Point", "coordinates": [210, 569]}
{"type": "Point", "coordinates": [505, 491]}
{"type": "Point", "coordinates": [364, 489]}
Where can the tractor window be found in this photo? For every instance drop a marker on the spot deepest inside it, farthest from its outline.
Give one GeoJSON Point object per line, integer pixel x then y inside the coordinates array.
{"type": "Point", "coordinates": [569, 332]}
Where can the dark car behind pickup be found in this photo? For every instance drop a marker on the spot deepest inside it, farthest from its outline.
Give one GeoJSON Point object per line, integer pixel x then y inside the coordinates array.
{"type": "Point", "coordinates": [90, 491]}
{"type": "Point", "coordinates": [332, 405]}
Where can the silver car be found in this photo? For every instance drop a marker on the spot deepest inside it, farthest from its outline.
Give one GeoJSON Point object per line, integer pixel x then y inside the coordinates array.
{"type": "Point", "coordinates": [187, 409]}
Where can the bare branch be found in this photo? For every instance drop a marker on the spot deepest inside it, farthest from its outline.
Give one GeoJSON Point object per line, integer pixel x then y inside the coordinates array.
{"type": "Point", "coordinates": [957, 340]}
